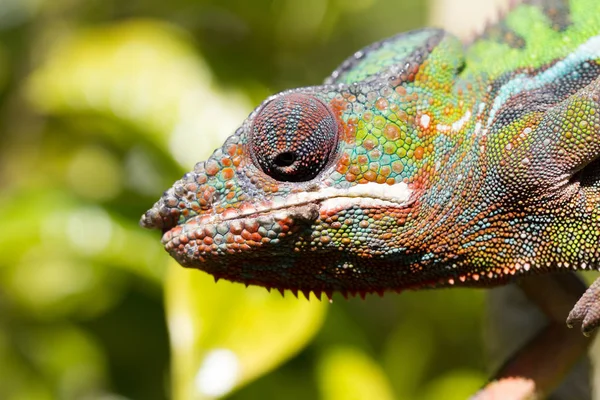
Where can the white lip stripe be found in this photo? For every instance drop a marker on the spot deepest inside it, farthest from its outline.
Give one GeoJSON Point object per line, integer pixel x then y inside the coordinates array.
{"type": "Point", "coordinates": [373, 194]}
{"type": "Point", "coordinates": [338, 203]}
{"type": "Point", "coordinates": [398, 193]}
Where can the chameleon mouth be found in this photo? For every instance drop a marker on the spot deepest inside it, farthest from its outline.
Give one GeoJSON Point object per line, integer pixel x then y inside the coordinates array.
{"type": "Point", "coordinates": [240, 230]}
{"type": "Point", "coordinates": [366, 195]}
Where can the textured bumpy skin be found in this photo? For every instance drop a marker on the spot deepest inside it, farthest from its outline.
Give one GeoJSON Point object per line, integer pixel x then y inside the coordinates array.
{"type": "Point", "coordinates": [420, 162]}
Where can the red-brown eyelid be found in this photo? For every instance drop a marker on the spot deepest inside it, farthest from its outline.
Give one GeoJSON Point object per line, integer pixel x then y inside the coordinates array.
{"type": "Point", "coordinates": [293, 136]}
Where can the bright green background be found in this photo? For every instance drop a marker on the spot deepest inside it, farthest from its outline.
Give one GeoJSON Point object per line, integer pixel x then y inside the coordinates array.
{"type": "Point", "coordinates": [103, 104]}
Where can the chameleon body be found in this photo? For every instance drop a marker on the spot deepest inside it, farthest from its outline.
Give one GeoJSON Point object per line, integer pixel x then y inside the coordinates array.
{"type": "Point", "coordinates": [420, 162]}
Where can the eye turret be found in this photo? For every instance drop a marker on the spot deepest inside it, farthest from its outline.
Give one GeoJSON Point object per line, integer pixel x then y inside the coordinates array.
{"type": "Point", "coordinates": [293, 137]}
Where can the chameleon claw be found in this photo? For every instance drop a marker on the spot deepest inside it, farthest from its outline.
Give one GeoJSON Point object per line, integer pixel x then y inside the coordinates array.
{"type": "Point", "coordinates": [587, 310]}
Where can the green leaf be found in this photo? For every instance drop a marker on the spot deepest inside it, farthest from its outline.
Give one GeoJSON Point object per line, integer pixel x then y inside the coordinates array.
{"type": "Point", "coordinates": [455, 385]}
{"type": "Point", "coordinates": [347, 373]}
{"type": "Point", "coordinates": [224, 335]}
{"type": "Point", "coordinates": [57, 360]}
{"type": "Point", "coordinates": [146, 74]}
{"type": "Point", "coordinates": [61, 256]}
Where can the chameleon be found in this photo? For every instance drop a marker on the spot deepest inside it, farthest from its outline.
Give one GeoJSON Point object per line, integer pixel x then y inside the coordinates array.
{"type": "Point", "coordinates": [421, 162]}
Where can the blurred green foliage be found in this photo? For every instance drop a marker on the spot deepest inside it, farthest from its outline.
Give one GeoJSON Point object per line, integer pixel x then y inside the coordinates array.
{"type": "Point", "coordinates": [104, 103]}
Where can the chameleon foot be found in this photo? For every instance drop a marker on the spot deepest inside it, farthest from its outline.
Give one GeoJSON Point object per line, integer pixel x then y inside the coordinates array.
{"type": "Point", "coordinates": [587, 310]}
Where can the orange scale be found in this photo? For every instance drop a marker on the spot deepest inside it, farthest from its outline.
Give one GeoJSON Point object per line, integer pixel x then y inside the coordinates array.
{"type": "Point", "coordinates": [350, 177]}
{"type": "Point", "coordinates": [342, 169]}
{"type": "Point", "coordinates": [354, 169]}
{"type": "Point", "coordinates": [231, 149]}
{"type": "Point", "coordinates": [391, 132]}
{"type": "Point", "coordinates": [211, 167]}
{"type": "Point", "coordinates": [402, 115]}
{"type": "Point", "coordinates": [331, 215]}
{"type": "Point", "coordinates": [349, 135]}
{"type": "Point", "coordinates": [201, 179]}
{"type": "Point", "coordinates": [284, 228]}
{"type": "Point", "coordinates": [256, 237]}
{"type": "Point", "coordinates": [229, 238]}
{"type": "Point", "coordinates": [191, 187]}
{"type": "Point", "coordinates": [325, 239]}
{"type": "Point", "coordinates": [385, 170]}
{"type": "Point", "coordinates": [251, 226]}
{"type": "Point", "coordinates": [418, 153]}
{"type": "Point", "coordinates": [287, 221]}
{"type": "Point", "coordinates": [227, 173]}
{"type": "Point", "coordinates": [370, 176]}
{"type": "Point", "coordinates": [381, 104]}
{"type": "Point", "coordinates": [369, 144]}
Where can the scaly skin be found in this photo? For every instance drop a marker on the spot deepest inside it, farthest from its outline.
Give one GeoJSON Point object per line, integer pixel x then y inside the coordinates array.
{"type": "Point", "coordinates": [421, 162]}
{"type": "Point", "coordinates": [418, 163]}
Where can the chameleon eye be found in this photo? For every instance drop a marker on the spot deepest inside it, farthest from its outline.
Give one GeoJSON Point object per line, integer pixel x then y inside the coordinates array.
{"type": "Point", "coordinates": [293, 136]}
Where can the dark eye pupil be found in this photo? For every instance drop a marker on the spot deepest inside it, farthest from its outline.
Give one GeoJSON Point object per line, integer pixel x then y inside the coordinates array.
{"type": "Point", "coordinates": [285, 159]}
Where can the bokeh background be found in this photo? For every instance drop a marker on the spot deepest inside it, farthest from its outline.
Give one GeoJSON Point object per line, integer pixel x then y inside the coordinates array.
{"type": "Point", "coordinates": [103, 104]}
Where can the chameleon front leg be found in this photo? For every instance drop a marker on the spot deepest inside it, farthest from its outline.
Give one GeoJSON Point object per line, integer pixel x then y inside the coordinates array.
{"type": "Point", "coordinates": [587, 310]}
{"type": "Point", "coordinates": [537, 368]}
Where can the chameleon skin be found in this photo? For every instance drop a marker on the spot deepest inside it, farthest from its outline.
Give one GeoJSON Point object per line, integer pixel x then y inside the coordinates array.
{"type": "Point", "coordinates": [420, 162]}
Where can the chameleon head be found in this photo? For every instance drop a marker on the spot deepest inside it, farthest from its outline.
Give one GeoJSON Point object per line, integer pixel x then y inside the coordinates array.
{"type": "Point", "coordinates": [408, 168]}
{"type": "Point", "coordinates": [300, 198]}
